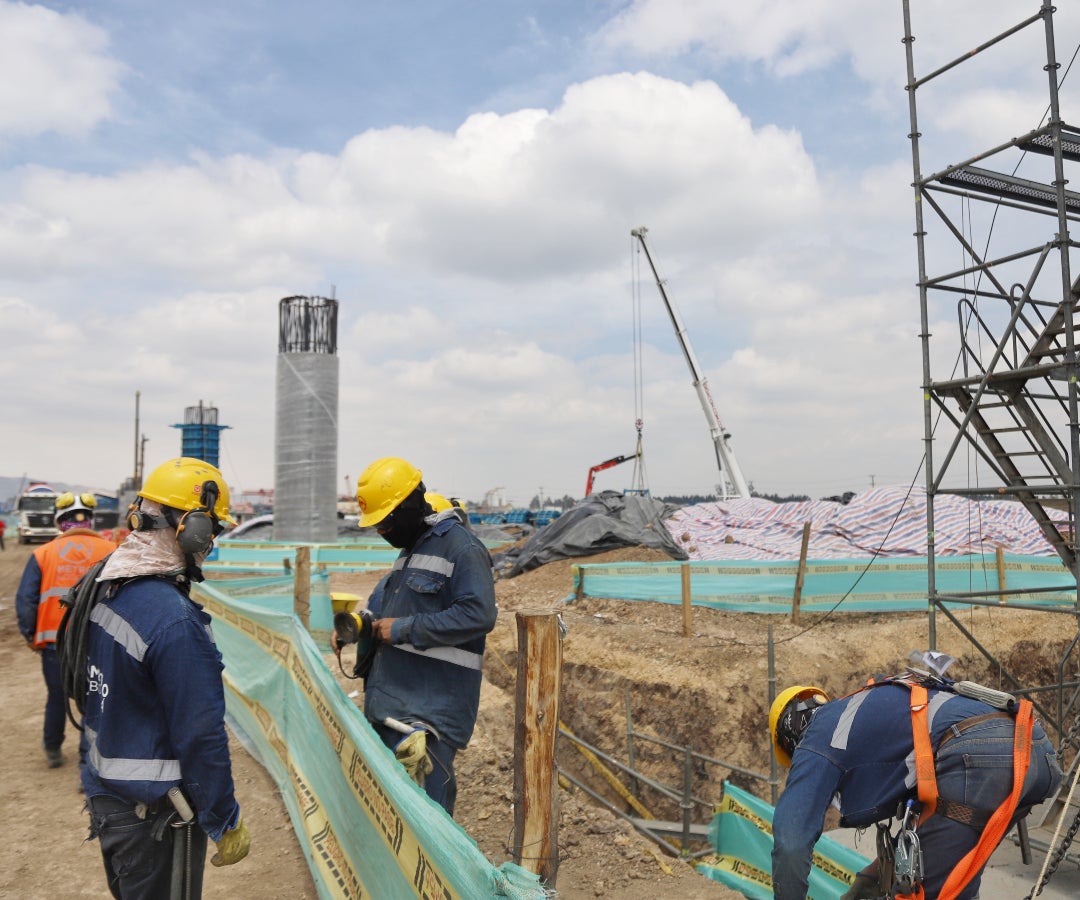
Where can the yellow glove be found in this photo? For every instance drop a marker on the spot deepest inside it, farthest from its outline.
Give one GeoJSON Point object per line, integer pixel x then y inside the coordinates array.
{"type": "Point", "coordinates": [233, 846]}
{"type": "Point", "coordinates": [411, 752]}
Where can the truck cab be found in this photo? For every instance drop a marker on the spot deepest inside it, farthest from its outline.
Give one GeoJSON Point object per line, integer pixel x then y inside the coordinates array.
{"type": "Point", "coordinates": [35, 509]}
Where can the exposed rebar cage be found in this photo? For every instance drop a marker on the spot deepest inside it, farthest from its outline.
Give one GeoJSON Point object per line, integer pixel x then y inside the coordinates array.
{"type": "Point", "coordinates": [1006, 415]}
{"type": "Point", "coordinates": [307, 325]}
{"type": "Point", "coordinates": [306, 427]}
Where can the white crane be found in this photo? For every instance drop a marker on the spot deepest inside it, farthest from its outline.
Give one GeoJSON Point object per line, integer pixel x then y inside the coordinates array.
{"type": "Point", "coordinates": [732, 482]}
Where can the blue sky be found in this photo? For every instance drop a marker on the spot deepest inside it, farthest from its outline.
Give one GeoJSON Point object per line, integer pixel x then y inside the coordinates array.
{"type": "Point", "coordinates": [464, 179]}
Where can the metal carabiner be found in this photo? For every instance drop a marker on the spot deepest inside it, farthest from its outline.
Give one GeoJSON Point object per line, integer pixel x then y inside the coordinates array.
{"type": "Point", "coordinates": [908, 857]}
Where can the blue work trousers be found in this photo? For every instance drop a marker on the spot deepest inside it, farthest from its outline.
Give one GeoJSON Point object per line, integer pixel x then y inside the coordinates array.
{"type": "Point", "coordinates": [975, 769]}
{"type": "Point", "coordinates": [440, 784]}
{"type": "Point", "coordinates": [55, 702]}
{"type": "Point", "coordinates": [138, 852]}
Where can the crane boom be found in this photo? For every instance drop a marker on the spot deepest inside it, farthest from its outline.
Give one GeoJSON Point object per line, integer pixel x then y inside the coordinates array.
{"type": "Point", "coordinates": [606, 464]}
{"type": "Point", "coordinates": [732, 482]}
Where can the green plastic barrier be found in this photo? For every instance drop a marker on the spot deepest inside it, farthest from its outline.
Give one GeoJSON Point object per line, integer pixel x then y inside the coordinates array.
{"type": "Point", "coordinates": [741, 835]}
{"type": "Point", "coordinates": [365, 827]}
{"type": "Point", "coordinates": [881, 585]}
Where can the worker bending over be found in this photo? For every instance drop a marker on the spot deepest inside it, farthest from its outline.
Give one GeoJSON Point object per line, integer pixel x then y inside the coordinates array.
{"type": "Point", "coordinates": [915, 748]}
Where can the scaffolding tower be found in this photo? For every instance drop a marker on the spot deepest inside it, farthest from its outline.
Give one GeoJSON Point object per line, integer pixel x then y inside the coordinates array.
{"type": "Point", "coordinates": [1003, 421]}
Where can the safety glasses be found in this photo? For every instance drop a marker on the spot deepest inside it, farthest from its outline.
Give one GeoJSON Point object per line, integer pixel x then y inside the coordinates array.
{"type": "Point", "coordinates": [68, 499]}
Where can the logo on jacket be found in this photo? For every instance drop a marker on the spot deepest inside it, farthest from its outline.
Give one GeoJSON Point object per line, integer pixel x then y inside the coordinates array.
{"type": "Point", "coordinates": [97, 683]}
{"type": "Point", "coordinates": [75, 552]}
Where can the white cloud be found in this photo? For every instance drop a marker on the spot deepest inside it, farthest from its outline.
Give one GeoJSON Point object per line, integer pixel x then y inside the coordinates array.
{"type": "Point", "coordinates": [58, 75]}
{"type": "Point", "coordinates": [505, 198]}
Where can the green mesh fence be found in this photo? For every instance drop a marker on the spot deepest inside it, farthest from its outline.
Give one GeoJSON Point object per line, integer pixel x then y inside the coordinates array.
{"type": "Point", "coordinates": [741, 835]}
{"type": "Point", "coordinates": [882, 585]}
{"type": "Point", "coordinates": [365, 827]}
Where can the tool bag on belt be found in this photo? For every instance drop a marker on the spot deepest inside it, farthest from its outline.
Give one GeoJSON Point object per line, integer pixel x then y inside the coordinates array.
{"type": "Point", "coordinates": [999, 820]}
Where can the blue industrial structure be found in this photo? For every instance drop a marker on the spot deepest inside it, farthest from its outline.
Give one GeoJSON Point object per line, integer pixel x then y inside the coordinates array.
{"type": "Point", "coordinates": [200, 437]}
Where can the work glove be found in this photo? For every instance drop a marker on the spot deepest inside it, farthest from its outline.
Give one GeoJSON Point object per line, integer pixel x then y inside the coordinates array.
{"type": "Point", "coordinates": [411, 752]}
{"type": "Point", "coordinates": [864, 887]}
{"type": "Point", "coordinates": [233, 846]}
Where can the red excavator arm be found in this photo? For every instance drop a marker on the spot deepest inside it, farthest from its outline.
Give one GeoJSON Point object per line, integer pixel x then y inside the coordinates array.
{"type": "Point", "coordinates": [599, 467]}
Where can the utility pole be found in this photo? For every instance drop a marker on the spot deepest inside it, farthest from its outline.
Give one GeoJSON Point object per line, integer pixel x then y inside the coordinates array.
{"type": "Point", "coordinates": [135, 474]}
{"type": "Point", "coordinates": [142, 462]}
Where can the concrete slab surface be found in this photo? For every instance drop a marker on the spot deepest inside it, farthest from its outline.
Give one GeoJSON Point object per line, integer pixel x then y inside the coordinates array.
{"type": "Point", "coordinates": [1005, 877]}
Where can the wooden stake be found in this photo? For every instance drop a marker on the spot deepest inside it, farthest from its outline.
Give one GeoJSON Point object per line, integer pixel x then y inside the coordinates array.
{"type": "Point", "coordinates": [1001, 573]}
{"type": "Point", "coordinates": [687, 613]}
{"type": "Point", "coordinates": [536, 726]}
{"type": "Point", "coordinates": [801, 574]}
{"type": "Point", "coordinates": [302, 585]}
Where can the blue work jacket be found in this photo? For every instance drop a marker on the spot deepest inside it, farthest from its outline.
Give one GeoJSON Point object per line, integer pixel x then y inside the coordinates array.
{"type": "Point", "coordinates": [442, 594]}
{"type": "Point", "coordinates": [857, 753]}
{"type": "Point", "coordinates": [155, 704]}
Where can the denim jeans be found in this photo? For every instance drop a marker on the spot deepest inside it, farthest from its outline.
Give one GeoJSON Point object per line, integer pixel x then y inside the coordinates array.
{"type": "Point", "coordinates": [975, 769]}
{"type": "Point", "coordinates": [138, 853]}
{"type": "Point", "coordinates": [55, 703]}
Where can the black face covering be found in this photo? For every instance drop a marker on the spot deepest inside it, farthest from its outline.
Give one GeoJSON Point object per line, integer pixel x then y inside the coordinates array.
{"type": "Point", "coordinates": [794, 720]}
{"type": "Point", "coordinates": [406, 523]}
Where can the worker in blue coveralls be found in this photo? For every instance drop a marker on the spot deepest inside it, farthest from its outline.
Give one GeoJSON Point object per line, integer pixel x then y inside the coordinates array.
{"type": "Point", "coordinates": [431, 616]}
{"type": "Point", "coordinates": [141, 664]}
{"type": "Point", "coordinates": [860, 754]}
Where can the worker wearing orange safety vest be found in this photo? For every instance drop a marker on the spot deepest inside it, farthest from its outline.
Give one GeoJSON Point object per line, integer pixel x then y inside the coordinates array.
{"type": "Point", "coordinates": [957, 769]}
{"type": "Point", "coordinates": [50, 572]}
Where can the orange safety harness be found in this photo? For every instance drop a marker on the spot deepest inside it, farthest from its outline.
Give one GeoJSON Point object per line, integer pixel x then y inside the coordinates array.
{"type": "Point", "coordinates": [999, 821]}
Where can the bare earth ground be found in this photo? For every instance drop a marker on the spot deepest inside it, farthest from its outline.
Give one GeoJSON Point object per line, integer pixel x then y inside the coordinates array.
{"type": "Point", "coordinates": [709, 691]}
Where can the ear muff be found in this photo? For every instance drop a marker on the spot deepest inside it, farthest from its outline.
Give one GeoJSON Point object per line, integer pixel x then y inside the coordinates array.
{"type": "Point", "coordinates": [195, 531]}
{"type": "Point", "coordinates": [197, 528]}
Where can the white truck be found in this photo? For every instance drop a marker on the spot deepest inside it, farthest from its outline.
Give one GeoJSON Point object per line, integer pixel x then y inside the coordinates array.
{"type": "Point", "coordinates": [35, 508]}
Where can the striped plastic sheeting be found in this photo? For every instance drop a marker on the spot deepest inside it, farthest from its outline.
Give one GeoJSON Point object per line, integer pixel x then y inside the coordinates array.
{"type": "Point", "coordinates": [888, 521]}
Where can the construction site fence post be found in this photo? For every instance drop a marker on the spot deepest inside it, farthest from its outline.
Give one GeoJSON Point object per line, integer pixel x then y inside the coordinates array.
{"type": "Point", "coordinates": [774, 772]}
{"type": "Point", "coordinates": [1000, 554]}
{"type": "Point", "coordinates": [536, 727]}
{"type": "Point", "coordinates": [687, 802]}
{"type": "Point", "coordinates": [302, 585]}
{"type": "Point", "coordinates": [801, 574]}
{"type": "Point", "coordinates": [687, 614]}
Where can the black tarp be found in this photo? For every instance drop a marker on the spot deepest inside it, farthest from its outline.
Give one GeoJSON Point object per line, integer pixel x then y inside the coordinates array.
{"type": "Point", "coordinates": [602, 521]}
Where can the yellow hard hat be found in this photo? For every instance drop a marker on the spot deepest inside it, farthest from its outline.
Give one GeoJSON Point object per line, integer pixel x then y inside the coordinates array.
{"type": "Point", "coordinates": [179, 483]}
{"type": "Point", "coordinates": [785, 731]}
{"type": "Point", "coordinates": [382, 486]}
{"type": "Point", "coordinates": [437, 501]}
